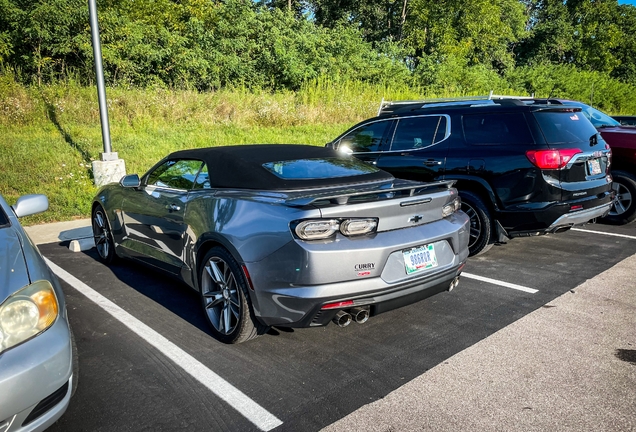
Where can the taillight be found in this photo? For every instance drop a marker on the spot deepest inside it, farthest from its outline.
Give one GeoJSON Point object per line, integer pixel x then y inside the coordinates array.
{"type": "Point", "coordinates": [317, 229]}
{"type": "Point", "coordinates": [551, 159]}
{"type": "Point", "coordinates": [322, 229]}
{"type": "Point", "coordinates": [451, 207]}
{"type": "Point", "coordinates": [354, 227]}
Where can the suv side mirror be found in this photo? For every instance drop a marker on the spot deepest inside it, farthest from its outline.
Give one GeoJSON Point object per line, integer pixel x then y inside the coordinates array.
{"type": "Point", "coordinates": [130, 181]}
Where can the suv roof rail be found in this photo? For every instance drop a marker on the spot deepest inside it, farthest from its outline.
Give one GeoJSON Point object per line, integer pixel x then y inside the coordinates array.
{"type": "Point", "coordinates": [390, 107]}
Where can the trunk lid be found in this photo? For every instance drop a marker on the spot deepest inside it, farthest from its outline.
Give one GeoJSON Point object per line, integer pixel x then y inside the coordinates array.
{"type": "Point", "coordinates": [396, 205]}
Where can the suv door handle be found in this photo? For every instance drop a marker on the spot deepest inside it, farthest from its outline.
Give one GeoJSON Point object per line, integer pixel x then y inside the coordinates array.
{"type": "Point", "coordinates": [431, 162]}
{"type": "Point", "coordinates": [173, 207]}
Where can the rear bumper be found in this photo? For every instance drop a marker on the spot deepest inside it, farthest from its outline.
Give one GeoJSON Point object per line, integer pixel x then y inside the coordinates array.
{"type": "Point", "coordinates": [308, 309]}
{"type": "Point", "coordinates": [553, 217]}
{"type": "Point", "coordinates": [292, 285]}
{"type": "Point", "coordinates": [37, 373]}
{"type": "Point", "coordinates": [580, 217]}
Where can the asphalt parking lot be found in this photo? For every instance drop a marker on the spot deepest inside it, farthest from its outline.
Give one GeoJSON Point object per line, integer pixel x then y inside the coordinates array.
{"type": "Point", "coordinates": [147, 361]}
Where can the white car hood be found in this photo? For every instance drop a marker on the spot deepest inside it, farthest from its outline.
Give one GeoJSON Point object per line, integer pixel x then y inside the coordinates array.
{"type": "Point", "coordinates": [13, 270]}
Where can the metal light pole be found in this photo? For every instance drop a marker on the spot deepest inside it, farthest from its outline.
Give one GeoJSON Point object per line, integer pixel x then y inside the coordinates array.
{"type": "Point", "coordinates": [110, 168]}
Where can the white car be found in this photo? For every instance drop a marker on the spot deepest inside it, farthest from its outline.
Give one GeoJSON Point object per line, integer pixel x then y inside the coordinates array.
{"type": "Point", "coordinates": [38, 360]}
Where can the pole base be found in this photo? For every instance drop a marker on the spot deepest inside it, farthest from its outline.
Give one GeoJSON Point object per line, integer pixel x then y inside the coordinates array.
{"type": "Point", "coordinates": [108, 171]}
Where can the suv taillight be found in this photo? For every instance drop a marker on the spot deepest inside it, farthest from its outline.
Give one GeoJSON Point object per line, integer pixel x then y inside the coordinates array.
{"type": "Point", "coordinates": [551, 159]}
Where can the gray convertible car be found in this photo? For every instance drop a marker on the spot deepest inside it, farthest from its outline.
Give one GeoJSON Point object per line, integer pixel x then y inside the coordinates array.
{"type": "Point", "coordinates": [38, 359]}
{"type": "Point", "coordinates": [285, 235]}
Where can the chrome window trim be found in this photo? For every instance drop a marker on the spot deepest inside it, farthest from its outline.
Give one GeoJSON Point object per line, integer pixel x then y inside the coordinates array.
{"type": "Point", "coordinates": [447, 133]}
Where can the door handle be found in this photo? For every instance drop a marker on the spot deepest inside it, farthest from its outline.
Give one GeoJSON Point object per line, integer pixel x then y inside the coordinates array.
{"type": "Point", "coordinates": [432, 162]}
{"type": "Point", "coordinates": [173, 207]}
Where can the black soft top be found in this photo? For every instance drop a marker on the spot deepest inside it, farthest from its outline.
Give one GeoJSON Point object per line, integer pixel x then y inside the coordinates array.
{"type": "Point", "coordinates": [242, 167]}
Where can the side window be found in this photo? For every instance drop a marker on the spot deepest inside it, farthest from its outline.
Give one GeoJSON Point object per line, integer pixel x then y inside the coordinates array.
{"type": "Point", "coordinates": [175, 174]}
{"type": "Point", "coordinates": [203, 179]}
{"type": "Point", "coordinates": [418, 132]}
{"type": "Point", "coordinates": [506, 128]}
{"type": "Point", "coordinates": [366, 138]}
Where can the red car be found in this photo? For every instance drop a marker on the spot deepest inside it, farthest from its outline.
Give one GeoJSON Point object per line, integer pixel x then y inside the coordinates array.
{"type": "Point", "coordinates": [622, 140]}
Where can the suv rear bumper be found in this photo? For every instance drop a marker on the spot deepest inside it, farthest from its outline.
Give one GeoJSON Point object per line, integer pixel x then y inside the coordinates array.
{"type": "Point", "coordinates": [579, 218]}
{"type": "Point", "coordinates": [553, 218]}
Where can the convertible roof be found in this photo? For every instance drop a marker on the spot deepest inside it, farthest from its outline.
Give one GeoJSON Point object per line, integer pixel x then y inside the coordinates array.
{"type": "Point", "coordinates": [241, 166]}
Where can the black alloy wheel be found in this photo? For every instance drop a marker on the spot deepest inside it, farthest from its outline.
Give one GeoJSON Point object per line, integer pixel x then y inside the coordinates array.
{"type": "Point", "coordinates": [103, 237]}
{"type": "Point", "coordinates": [623, 209]}
{"type": "Point", "coordinates": [225, 300]}
{"type": "Point", "coordinates": [480, 223]}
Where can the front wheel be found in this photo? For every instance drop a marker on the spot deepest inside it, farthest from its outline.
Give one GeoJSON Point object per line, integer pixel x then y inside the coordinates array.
{"type": "Point", "coordinates": [623, 209]}
{"type": "Point", "coordinates": [225, 299]}
{"type": "Point", "coordinates": [480, 223]}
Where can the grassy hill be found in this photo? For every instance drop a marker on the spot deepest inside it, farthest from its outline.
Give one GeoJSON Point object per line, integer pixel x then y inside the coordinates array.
{"type": "Point", "coordinates": [49, 135]}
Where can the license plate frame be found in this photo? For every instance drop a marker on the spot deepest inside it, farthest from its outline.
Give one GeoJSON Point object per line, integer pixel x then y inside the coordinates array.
{"type": "Point", "coordinates": [594, 166]}
{"type": "Point", "coordinates": [420, 258]}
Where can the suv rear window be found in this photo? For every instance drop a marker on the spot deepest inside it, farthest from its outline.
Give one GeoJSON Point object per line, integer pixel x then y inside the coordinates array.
{"type": "Point", "coordinates": [306, 169]}
{"type": "Point", "coordinates": [495, 128]}
{"type": "Point", "coordinates": [560, 127]}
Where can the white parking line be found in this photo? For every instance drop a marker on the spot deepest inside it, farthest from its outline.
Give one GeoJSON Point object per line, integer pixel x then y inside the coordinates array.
{"type": "Point", "coordinates": [500, 283]}
{"type": "Point", "coordinates": [604, 233]}
{"type": "Point", "coordinates": [264, 420]}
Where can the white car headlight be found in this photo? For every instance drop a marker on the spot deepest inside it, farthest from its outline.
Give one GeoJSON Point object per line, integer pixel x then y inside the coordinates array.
{"type": "Point", "coordinates": [27, 313]}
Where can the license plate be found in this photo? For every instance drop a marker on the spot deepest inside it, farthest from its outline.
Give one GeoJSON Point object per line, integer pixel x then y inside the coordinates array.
{"type": "Point", "coordinates": [594, 166]}
{"type": "Point", "coordinates": [420, 258]}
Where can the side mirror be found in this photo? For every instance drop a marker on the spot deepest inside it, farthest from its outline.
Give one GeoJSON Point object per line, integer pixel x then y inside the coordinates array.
{"type": "Point", "coordinates": [130, 181]}
{"type": "Point", "coordinates": [28, 205]}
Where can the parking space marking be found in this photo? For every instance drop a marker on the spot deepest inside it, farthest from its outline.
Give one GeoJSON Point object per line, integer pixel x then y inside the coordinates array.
{"type": "Point", "coordinates": [253, 412]}
{"type": "Point", "coordinates": [604, 233]}
{"type": "Point", "coordinates": [500, 283]}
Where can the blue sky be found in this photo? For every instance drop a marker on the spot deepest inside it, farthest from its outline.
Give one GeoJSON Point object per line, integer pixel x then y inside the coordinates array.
{"type": "Point", "coordinates": [631, 2]}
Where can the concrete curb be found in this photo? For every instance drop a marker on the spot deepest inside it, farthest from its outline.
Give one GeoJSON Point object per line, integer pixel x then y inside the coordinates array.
{"type": "Point", "coordinates": [78, 232]}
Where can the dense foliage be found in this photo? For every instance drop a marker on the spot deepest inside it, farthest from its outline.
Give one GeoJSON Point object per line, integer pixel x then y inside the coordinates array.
{"type": "Point", "coordinates": [575, 48]}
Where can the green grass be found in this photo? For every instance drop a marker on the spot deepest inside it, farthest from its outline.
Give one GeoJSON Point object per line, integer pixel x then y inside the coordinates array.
{"type": "Point", "coordinates": [50, 135]}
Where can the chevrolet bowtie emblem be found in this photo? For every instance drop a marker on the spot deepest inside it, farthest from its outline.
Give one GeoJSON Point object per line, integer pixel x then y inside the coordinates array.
{"type": "Point", "coordinates": [416, 219]}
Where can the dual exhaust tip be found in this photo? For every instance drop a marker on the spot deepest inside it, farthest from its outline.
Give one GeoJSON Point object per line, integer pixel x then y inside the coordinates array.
{"type": "Point", "coordinates": [361, 314]}
{"type": "Point", "coordinates": [358, 314]}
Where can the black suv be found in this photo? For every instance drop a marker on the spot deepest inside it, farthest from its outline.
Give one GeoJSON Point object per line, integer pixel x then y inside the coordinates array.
{"type": "Point", "coordinates": [521, 169]}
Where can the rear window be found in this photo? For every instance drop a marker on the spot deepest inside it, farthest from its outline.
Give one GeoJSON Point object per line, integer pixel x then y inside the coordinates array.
{"type": "Point", "coordinates": [323, 168]}
{"type": "Point", "coordinates": [496, 128]}
{"type": "Point", "coordinates": [561, 127]}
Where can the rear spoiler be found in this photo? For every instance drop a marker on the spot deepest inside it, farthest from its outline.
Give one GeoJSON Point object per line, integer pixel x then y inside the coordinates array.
{"type": "Point", "coordinates": [341, 198]}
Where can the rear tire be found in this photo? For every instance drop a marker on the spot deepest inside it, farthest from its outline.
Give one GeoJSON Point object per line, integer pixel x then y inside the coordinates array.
{"type": "Point", "coordinates": [225, 299]}
{"type": "Point", "coordinates": [623, 209]}
{"type": "Point", "coordinates": [480, 223]}
{"type": "Point", "coordinates": [103, 236]}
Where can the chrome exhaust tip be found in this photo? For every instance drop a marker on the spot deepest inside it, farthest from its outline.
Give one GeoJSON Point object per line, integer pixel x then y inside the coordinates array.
{"type": "Point", "coordinates": [360, 315]}
{"type": "Point", "coordinates": [342, 318]}
{"type": "Point", "coordinates": [453, 283]}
